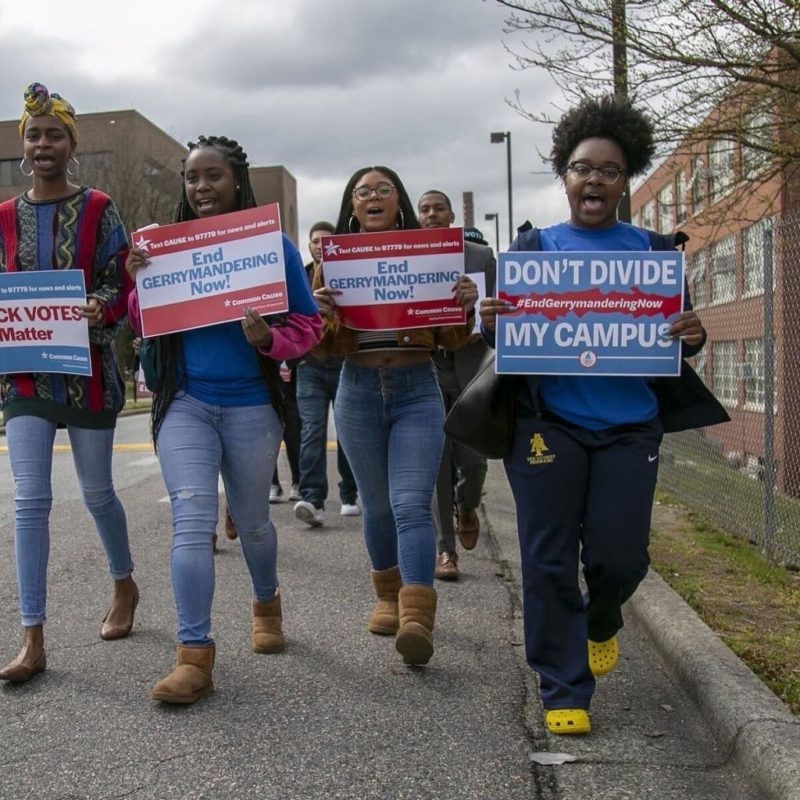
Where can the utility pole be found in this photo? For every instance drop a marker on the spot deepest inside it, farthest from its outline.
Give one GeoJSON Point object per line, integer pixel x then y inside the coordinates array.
{"type": "Point", "coordinates": [619, 33]}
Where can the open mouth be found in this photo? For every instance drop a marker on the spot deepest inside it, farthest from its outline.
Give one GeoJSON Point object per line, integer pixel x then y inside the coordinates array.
{"type": "Point", "coordinates": [44, 161]}
{"type": "Point", "coordinates": [374, 211]}
{"type": "Point", "coordinates": [593, 202]}
{"type": "Point", "coordinates": [206, 204]}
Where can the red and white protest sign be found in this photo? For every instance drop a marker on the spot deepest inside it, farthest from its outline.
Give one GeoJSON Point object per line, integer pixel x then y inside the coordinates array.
{"type": "Point", "coordinates": [211, 270]}
{"type": "Point", "coordinates": [396, 279]}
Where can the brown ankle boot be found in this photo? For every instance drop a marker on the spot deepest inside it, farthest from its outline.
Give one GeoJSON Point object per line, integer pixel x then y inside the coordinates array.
{"type": "Point", "coordinates": [384, 617]}
{"type": "Point", "coordinates": [191, 678]}
{"type": "Point", "coordinates": [118, 621]}
{"type": "Point", "coordinates": [267, 630]}
{"type": "Point", "coordinates": [31, 659]}
{"type": "Point", "coordinates": [417, 613]}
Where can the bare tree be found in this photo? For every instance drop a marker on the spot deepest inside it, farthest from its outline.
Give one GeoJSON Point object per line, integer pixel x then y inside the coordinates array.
{"type": "Point", "coordinates": [707, 70]}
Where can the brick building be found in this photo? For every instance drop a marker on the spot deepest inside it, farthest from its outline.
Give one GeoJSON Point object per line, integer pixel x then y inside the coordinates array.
{"type": "Point", "coordinates": [743, 220]}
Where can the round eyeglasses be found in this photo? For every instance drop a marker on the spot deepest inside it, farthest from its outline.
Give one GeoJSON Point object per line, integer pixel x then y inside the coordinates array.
{"type": "Point", "coordinates": [583, 171]}
{"type": "Point", "coordinates": [383, 190]}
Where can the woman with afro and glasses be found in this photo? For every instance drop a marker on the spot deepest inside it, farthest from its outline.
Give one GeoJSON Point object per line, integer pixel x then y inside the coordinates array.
{"type": "Point", "coordinates": [590, 498]}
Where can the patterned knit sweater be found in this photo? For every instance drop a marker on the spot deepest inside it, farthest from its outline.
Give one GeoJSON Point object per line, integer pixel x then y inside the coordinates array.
{"type": "Point", "coordinates": [83, 231]}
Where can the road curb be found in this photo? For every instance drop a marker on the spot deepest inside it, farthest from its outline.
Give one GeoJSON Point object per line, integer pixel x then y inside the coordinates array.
{"type": "Point", "coordinates": [753, 726]}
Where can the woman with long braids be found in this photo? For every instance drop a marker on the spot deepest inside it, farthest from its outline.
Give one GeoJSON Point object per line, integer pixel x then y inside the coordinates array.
{"type": "Point", "coordinates": [389, 415]}
{"type": "Point", "coordinates": [217, 408]}
{"type": "Point", "coordinates": [58, 225]}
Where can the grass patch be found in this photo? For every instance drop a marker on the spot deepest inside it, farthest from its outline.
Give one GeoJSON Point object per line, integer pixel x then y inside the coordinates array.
{"type": "Point", "coordinates": [751, 603]}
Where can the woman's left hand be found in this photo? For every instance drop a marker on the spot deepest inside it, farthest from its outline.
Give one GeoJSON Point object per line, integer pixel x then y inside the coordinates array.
{"type": "Point", "coordinates": [93, 312]}
{"type": "Point", "coordinates": [257, 330]}
{"type": "Point", "coordinates": [465, 291]}
{"type": "Point", "coordinates": [688, 328]}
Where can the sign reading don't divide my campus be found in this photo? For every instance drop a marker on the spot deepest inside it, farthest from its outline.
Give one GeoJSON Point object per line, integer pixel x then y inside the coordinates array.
{"type": "Point", "coordinates": [396, 279]}
{"type": "Point", "coordinates": [606, 313]}
{"type": "Point", "coordinates": [211, 270]}
{"type": "Point", "coordinates": [41, 327]}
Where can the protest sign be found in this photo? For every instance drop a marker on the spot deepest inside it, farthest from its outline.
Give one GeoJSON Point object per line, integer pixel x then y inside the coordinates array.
{"type": "Point", "coordinates": [395, 279]}
{"type": "Point", "coordinates": [604, 313]}
{"type": "Point", "coordinates": [41, 327]}
{"type": "Point", "coordinates": [211, 270]}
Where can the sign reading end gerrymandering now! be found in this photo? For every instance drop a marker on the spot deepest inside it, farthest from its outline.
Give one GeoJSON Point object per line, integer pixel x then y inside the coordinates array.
{"type": "Point", "coordinates": [395, 279]}
{"type": "Point", "coordinates": [41, 327]}
{"type": "Point", "coordinates": [211, 270]}
{"type": "Point", "coordinates": [606, 313]}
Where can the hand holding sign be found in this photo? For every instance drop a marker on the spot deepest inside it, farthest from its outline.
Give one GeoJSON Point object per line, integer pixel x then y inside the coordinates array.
{"type": "Point", "coordinates": [688, 328]}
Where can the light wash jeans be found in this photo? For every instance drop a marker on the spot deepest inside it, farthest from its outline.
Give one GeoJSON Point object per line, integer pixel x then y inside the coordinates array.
{"type": "Point", "coordinates": [390, 422]}
{"type": "Point", "coordinates": [30, 449]}
{"type": "Point", "coordinates": [196, 442]}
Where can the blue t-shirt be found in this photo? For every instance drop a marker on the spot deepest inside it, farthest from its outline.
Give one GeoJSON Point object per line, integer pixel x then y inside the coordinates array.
{"type": "Point", "coordinates": [221, 366]}
{"type": "Point", "coordinates": [597, 402]}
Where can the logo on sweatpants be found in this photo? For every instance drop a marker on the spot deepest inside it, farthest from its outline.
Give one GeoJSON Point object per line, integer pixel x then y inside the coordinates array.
{"type": "Point", "coordinates": [538, 450]}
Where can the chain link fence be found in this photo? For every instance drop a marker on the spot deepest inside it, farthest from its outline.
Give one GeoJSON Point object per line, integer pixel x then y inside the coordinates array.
{"type": "Point", "coordinates": [745, 475]}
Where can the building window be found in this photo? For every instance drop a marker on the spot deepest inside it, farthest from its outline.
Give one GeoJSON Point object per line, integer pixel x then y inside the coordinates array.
{"type": "Point", "coordinates": [756, 147]}
{"type": "Point", "coordinates": [723, 270]}
{"type": "Point", "coordinates": [649, 215]}
{"type": "Point", "coordinates": [753, 375]}
{"type": "Point", "coordinates": [665, 203]}
{"type": "Point", "coordinates": [700, 361]}
{"type": "Point", "coordinates": [723, 357]}
{"type": "Point", "coordinates": [681, 190]}
{"type": "Point", "coordinates": [758, 246]}
{"type": "Point", "coordinates": [699, 184]}
{"type": "Point", "coordinates": [720, 161]}
{"type": "Point", "coordinates": [697, 280]}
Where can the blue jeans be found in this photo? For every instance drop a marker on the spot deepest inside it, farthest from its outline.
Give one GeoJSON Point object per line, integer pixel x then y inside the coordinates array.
{"type": "Point", "coordinates": [317, 382]}
{"type": "Point", "coordinates": [196, 442]}
{"type": "Point", "coordinates": [30, 450]}
{"type": "Point", "coordinates": [390, 422]}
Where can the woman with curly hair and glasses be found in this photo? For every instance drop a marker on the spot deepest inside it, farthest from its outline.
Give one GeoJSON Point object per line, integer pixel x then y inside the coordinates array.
{"type": "Point", "coordinates": [389, 416]}
{"type": "Point", "coordinates": [59, 225]}
{"type": "Point", "coordinates": [217, 408]}
{"type": "Point", "coordinates": [590, 499]}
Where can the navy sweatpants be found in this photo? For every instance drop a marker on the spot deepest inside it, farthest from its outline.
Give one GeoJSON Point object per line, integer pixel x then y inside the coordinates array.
{"type": "Point", "coordinates": [578, 492]}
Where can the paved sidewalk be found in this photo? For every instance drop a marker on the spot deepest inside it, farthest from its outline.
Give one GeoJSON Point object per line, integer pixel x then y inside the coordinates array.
{"type": "Point", "coordinates": [675, 678]}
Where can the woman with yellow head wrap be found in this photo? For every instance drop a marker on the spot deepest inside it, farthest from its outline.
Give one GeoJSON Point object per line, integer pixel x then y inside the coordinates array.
{"type": "Point", "coordinates": [56, 225]}
{"type": "Point", "coordinates": [38, 102]}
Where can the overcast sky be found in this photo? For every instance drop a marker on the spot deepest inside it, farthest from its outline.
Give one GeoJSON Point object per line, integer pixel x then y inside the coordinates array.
{"type": "Point", "coordinates": [322, 87]}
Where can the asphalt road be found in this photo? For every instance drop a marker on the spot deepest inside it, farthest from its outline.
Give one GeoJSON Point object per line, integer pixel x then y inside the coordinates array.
{"type": "Point", "coordinates": [337, 715]}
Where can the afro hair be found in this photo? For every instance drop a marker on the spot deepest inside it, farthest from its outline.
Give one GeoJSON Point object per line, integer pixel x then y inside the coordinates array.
{"type": "Point", "coordinates": [604, 118]}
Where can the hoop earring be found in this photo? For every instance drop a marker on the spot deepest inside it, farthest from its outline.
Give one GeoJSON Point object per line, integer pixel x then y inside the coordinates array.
{"type": "Point", "coordinates": [77, 166]}
{"type": "Point", "coordinates": [350, 224]}
{"type": "Point", "coordinates": [402, 224]}
{"type": "Point", "coordinates": [22, 164]}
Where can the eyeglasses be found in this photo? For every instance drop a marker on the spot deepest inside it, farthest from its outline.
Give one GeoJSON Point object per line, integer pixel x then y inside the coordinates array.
{"type": "Point", "coordinates": [383, 190]}
{"type": "Point", "coordinates": [583, 171]}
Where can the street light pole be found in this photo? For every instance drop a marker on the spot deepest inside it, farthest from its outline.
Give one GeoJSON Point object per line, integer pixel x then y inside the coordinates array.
{"type": "Point", "coordinates": [497, 137]}
{"type": "Point", "coordinates": [496, 218]}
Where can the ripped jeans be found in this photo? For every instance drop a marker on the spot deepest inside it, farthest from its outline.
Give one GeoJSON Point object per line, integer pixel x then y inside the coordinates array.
{"type": "Point", "coordinates": [196, 443]}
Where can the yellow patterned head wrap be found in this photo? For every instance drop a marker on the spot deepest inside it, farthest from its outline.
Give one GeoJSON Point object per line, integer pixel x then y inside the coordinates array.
{"type": "Point", "coordinates": [38, 101]}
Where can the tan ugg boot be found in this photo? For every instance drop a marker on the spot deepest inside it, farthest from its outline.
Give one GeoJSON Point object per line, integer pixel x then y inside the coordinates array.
{"type": "Point", "coordinates": [267, 631]}
{"type": "Point", "coordinates": [417, 613]}
{"type": "Point", "coordinates": [384, 619]}
{"type": "Point", "coordinates": [191, 678]}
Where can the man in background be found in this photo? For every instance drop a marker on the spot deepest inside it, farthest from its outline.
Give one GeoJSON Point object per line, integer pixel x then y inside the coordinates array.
{"type": "Point", "coordinates": [460, 465]}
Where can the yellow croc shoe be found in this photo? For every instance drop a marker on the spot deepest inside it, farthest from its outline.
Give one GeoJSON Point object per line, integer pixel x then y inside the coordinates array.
{"type": "Point", "coordinates": [567, 720]}
{"type": "Point", "coordinates": [603, 656]}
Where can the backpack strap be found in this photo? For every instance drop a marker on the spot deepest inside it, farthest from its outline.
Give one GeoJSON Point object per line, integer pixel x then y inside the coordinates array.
{"type": "Point", "coordinates": [527, 239]}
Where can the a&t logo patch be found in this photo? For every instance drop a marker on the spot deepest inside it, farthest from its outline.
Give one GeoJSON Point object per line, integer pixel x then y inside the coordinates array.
{"type": "Point", "coordinates": [538, 450]}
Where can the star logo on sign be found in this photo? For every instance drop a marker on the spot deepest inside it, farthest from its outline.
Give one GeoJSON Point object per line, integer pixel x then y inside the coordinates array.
{"type": "Point", "coordinates": [227, 303]}
{"type": "Point", "coordinates": [141, 243]}
{"type": "Point", "coordinates": [44, 354]}
{"type": "Point", "coordinates": [332, 249]}
{"type": "Point", "coordinates": [410, 312]}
